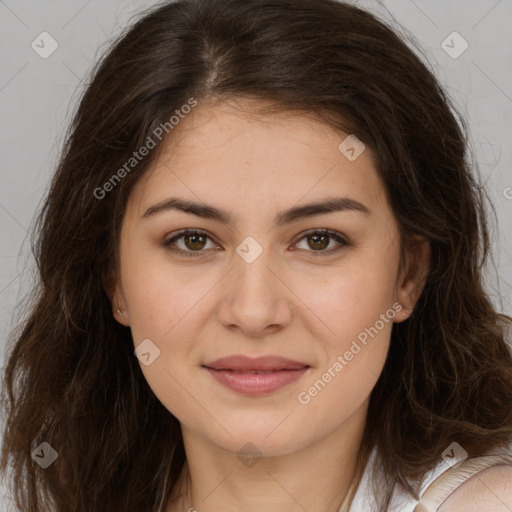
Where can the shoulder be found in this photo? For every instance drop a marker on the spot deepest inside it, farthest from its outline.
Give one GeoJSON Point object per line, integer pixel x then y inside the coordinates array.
{"type": "Point", "coordinates": [490, 490]}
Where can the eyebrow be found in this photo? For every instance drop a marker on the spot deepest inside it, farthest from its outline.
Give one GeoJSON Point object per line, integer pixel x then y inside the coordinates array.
{"type": "Point", "coordinates": [330, 205]}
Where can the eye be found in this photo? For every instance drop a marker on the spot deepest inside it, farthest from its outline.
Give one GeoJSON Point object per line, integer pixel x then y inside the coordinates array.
{"type": "Point", "coordinates": [195, 240]}
{"type": "Point", "coordinates": [320, 240]}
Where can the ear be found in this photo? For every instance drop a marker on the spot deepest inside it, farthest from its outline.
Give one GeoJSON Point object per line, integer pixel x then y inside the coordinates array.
{"type": "Point", "coordinates": [114, 290]}
{"type": "Point", "coordinates": [413, 277]}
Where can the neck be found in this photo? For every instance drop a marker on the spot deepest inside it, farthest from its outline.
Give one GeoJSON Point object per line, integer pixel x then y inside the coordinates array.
{"type": "Point", "coordinates": [315, 478]}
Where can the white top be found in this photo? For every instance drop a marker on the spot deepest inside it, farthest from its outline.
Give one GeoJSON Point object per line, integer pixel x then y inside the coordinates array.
{"type": "Point", "coordinates": [438, 484]}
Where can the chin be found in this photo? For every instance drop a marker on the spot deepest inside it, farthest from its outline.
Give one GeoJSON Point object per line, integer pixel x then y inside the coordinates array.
{"type": "Point", "coordinates": [260, 441]}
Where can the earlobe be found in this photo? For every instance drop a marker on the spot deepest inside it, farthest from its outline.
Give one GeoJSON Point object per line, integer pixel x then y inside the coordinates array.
{"type": "Point", "coordinates": [119, 305]}
{"type": "Point", "coordinates": [116, 296]}
{"type": "Point", "coordinates": [414, 277]}
{"type": "Point", "coordinates": [118, 315]}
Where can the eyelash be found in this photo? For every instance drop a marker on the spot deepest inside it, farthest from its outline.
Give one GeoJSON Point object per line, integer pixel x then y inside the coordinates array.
{"type": "Point", "coordinates": [332, 234]}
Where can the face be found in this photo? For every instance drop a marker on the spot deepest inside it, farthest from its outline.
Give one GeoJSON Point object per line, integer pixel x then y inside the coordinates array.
{"type": "Point", "coordinates": [261, 275]}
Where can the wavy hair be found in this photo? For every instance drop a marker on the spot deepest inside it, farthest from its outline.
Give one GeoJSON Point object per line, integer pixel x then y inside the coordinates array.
{"type": "Point", "coordinates": [71, 378]}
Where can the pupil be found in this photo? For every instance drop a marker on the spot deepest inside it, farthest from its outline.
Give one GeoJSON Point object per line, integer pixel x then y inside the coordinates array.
{"type": "Point", "coordinates": [194, 240]}
{"type": "Point", "coordinates": [323, 246]}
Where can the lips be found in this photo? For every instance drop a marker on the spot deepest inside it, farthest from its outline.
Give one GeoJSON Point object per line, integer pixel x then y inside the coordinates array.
{"type": "Point", "coordinates": [255, 376]}
{"type": "Point", "coordinates": [265, 364]}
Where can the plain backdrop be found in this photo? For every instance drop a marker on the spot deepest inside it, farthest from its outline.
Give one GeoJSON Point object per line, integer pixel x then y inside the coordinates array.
{"type": "Point", "coordinates": [38, 96]}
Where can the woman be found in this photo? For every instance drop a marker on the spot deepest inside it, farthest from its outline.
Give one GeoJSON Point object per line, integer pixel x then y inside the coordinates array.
{"type": "Point", "coordinates": [260, 280]}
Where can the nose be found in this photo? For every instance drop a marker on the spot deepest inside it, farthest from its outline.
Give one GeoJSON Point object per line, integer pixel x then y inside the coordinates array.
{"type": "Point", "coordinates": [255, 299]}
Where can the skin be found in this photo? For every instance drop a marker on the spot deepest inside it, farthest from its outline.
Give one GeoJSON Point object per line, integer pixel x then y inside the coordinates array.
{"type": "Point", "coordinates": [289, 302]}
{"type": "Point", "coordinates": [490, 488]}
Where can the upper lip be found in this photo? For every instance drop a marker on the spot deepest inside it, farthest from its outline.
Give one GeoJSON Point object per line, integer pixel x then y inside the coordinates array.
{"type": "Point", "coordinates": [244, 363]}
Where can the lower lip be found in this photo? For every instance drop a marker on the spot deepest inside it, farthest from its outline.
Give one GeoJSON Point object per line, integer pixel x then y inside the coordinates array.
{"type": "Point", "coordinates": [256, 383]}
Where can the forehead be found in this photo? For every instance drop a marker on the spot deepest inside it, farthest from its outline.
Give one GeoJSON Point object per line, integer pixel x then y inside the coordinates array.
{"type": "Point", "coordinates": [219, 152]}
{"type": "Point", "coordinates": [226, 131]}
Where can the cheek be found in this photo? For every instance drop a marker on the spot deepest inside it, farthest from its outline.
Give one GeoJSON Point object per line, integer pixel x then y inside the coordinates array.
{"type": "Point", "coordinates": [345, 300]}
{"type": "Point", "coordinates": [166, 308]}
{"type": "Point", "coordinates": [351, 362]}
{"type": "Point", "coordinates": [351, 319]}
{"type": "Point", "coordinates": [159, 295]}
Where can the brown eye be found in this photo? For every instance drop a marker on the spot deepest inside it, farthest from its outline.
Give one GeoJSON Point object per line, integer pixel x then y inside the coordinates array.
{"type": "Point", "coordinates": [192, 242]}
{"type": "Point", "coordinates": [319, 240]}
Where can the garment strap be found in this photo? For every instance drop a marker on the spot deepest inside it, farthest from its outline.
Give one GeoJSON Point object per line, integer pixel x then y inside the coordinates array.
{"type": "Point", "coordinates": [445, 484]}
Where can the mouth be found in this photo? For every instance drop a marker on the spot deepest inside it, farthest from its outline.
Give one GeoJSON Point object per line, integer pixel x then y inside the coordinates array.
{"type": "Point", "coordinates": [252, 372]}
{"type": "Point", "coordinates": [241, 363]}
{"type": "Point", "coordinates": [256, 376]}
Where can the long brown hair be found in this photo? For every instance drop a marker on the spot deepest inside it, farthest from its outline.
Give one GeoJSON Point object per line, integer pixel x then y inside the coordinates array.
{"type": "Point", "coordinates": [72, 379]}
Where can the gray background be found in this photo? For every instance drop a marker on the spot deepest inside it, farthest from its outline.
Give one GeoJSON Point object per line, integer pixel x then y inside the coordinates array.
{"type": "Point", "coordinates": [38, 96]}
